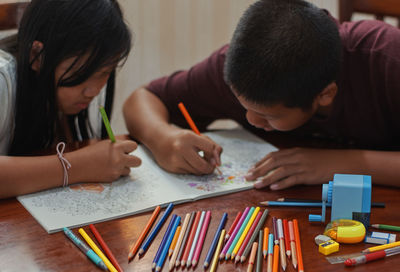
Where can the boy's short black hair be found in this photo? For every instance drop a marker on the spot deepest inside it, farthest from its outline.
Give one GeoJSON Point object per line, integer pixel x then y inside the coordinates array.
{"type": "Point", "coordinates": [283, 52]}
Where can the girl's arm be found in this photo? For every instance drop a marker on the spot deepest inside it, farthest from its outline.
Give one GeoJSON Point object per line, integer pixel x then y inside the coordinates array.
{"type": "Point", "coordinates": [101, 162]}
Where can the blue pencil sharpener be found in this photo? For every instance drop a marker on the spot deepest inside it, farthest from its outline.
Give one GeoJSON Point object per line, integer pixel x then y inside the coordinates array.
{"type": "Point", "coordinates": [349, 197]}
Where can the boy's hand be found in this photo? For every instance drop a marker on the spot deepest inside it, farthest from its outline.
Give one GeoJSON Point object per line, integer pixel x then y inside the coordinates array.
{"type": "Point", "coordinates": [105, 161]}
{"type": "Point", "coordinates": [289, 167]}
{"type": "Point", "coordinates": [179, 151]}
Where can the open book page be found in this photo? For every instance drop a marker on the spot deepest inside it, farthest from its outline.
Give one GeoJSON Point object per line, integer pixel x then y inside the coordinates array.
{"type": "Point", "coordinates": [147, 186]}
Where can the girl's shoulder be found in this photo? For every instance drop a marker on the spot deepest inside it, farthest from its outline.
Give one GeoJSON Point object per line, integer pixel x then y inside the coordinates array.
{"type": "Point", "coordinates": [7, 62]}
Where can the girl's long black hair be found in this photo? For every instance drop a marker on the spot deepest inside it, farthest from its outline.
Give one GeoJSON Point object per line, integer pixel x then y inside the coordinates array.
{"type": "Point", "coordinates": [89, 29]}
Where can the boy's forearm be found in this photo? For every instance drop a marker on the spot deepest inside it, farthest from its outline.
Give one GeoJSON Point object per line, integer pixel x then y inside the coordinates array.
{"type": "Point", "coordinates": [146, 117]}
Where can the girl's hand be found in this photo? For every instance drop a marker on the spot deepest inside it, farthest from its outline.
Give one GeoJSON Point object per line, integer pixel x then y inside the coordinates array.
{"type": "Point", "coordinates": [178, 152]}
{"type": "Point", "coordinates": [103, 161]}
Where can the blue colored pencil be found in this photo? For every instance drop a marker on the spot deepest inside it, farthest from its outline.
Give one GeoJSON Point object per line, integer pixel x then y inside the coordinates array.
{"type": "Point", "coordinates": [215, 240]}
{"type": "Point", "coordinates": [85, 249]}
{"type": "Point", "coordinates": [156, 229]}
{"type": "Point", "coordinates": [164, 240]}
{"type": "Point", "coordinates": [167, 244]}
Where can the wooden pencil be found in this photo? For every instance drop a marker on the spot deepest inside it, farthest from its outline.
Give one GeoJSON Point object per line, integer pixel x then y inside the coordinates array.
{"type": "Point", "coordinates": [179, 242]}
{"type": "Point", "coordinates": [252, 257]}
{"type": "Point", "coordinates": [184, 240]}
{"type": "Point", "coordinates": [191, 238]}
{"type": "Point", "coordinates": [292, 244]}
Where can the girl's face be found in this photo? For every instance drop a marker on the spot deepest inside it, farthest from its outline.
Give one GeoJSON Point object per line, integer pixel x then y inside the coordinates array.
{"type": "Point", "coordinates": [71, 100]}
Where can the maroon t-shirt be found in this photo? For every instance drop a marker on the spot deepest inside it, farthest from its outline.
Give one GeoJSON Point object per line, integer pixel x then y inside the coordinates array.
{"type": "Point", "coordinates": [365, 111]}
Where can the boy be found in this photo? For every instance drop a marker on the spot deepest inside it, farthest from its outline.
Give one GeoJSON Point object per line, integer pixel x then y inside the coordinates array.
{"type": "Point", "coordinates": [289, 67]}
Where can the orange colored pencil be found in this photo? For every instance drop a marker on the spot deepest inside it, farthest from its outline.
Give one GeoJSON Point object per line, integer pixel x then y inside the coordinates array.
{"type": "Point", "coordinates": [193, 126]}
{"type": "Point", "coordinates": [146, 229]}
{"type": "Point", "coordinates": [252, 257]}
{"type": "Point", "coordinates": [276, 259]}
{"type": "Point", "coordinates": [173, 244]}
{"type": "Point", "coordinates": [188, 118]}
{"type": "Point", "coordinates": [298, 246]}
{"type": "Point", "coordinates": [105, 248]}
{"type": "Point", "coordinates": [265, 242]}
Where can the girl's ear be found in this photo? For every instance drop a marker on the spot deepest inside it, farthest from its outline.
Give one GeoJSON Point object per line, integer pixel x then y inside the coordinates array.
{"type": "Point", "coordinates": [35, 58]}
{"type": "Point", "coordinates": [326, 97]}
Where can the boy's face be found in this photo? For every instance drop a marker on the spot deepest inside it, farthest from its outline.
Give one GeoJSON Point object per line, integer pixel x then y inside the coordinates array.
{"type": "Point", "coordinates": [72, 100]}
{"type": "Point", "coordinates": [277, 117]}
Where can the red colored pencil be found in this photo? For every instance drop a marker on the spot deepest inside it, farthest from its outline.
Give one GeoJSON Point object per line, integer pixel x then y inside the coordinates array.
{"type": "Point", "coordinates": [287, 237]}
{"type": "Point", "coordinates": [105, 248]}
{"type": "Point", "coordinates": [200, 243]}
{"type": "Point", "coordinates": [191, 238]}
{"type": "Point", "coordinates": [248, 236]}
{"type": "Point", "coordinates": [229, 233]}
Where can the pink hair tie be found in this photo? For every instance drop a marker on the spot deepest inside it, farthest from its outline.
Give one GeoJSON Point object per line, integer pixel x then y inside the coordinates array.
{"type": "Point", "coordinates": [65, 163]}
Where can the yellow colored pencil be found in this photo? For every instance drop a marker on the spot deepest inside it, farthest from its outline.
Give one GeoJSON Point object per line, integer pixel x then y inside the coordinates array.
{"type": "Point", "coordinates": [246, 230]}
{"type": "Point", "coordinates": [382, 247]}
{"type": "Point", "coordinates": [217, 251]}
{"type": "Point", "coordinates": [97, 250]}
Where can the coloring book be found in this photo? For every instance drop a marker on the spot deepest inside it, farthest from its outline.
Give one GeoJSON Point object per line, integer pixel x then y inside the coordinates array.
{"type": "Point", "coordinates": [147, 186]}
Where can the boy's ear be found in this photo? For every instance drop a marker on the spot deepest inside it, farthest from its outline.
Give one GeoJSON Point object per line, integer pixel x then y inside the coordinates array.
{"type": "Point", "coordinates": [35, 58]}
{"type": "Point", "coordinates": [326, 97]}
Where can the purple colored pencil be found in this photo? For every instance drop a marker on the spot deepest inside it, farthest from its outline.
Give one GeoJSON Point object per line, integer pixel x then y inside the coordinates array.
{"type": "Point", "coordinates": [235, 231]}
{"type": "Point", "coordinates": [276, 241]}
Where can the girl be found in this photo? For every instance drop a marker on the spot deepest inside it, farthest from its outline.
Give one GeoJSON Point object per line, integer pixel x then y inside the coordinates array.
{"type": "Point", "coordinates": [53, 79]}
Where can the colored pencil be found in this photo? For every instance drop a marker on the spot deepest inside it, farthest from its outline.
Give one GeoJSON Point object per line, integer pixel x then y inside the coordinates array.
{"type": "Point", "coordinates": [146, 229]}
{"type": "Point", "coordinates": [235, 231]}
{"type": "Point", "coordinates": [200, 242]}
{"type": "Point", "coordinates": [259, 252]}
{"type": "Point", "coordinates": [275, 265]}
{"type": "Point", "coordinates": [174, 240]}
{"type": "Point", "coordinates": [265, 242]}
{"type": "Point", "coordinates": [286, 237]}
{"type": "Point", "coordinates": [211, 250]}
{"type": "Point", "coordinates": [293, 244]}
{"type": "Point", "coordinates": [97, 250]}
{"type": "Point", "coordinates": [252, 256]}
{"type": "Point", "coordinates": [193, 126]}
{"type": "Point", "coordinates": [196, 239]}
{"type": "Point", "coordinates": [105, 248]}
{"type": "Point", "coordinates": [107, 124]}
{"type": "Point", "coordinates": [254, 236]}
{"type": "Point", "coordinates": [85, 249]}
{"type": "Point", "coordinates": [276, 241]}
{"type": "Point", "coordinates": [179, 242]}
{"type": "Point", "coordinates": [229, 233]}
{"type": "Point", "coordinates": [386, 227]}
{"type": "Point", "coordinates": [168, 242]}
{"type": "Point", "coordinates": [270, 251]}
{"type": "Point", "coordinates": [244, 233]}
{"type": "Point", "coordinates": [248, 237]}
{"type": "Point", "coordinates": [191, 238]}
{"type": "Point", "coordinates": [281, 243]}
{"type": "Point", "coordinates": [239, 234]}
{"type": "Point", "coordinates": [155, 231]}
{"type": "Point", "coordinates": [185, 238]}
{"type": "Point", "coordinates": [309, 203]}
{"type": "Point", "coordinates": [285, 199]}
{"type": "Point", "coordinates": [298, 245]}
{"type": "Point", "coordinates": [381, 247]}
{"type": "Point", "coordinates": [217, 251]}
{"type": "Point", "coordinates": [164, 241]}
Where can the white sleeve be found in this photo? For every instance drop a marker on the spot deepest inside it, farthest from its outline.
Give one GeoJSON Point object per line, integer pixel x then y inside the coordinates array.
{"type": "Point", "coordinates": [7, 98]}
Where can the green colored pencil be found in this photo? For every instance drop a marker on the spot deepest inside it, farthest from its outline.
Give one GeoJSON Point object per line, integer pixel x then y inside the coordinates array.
{"type": "Point", "coordinates": [107, 124]}
{"type": "Point", "coordinates": [385, 227]}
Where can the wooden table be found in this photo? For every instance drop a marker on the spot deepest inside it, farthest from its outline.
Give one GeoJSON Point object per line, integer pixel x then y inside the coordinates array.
{"type": "Point", "coordinates": [26, 246]}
